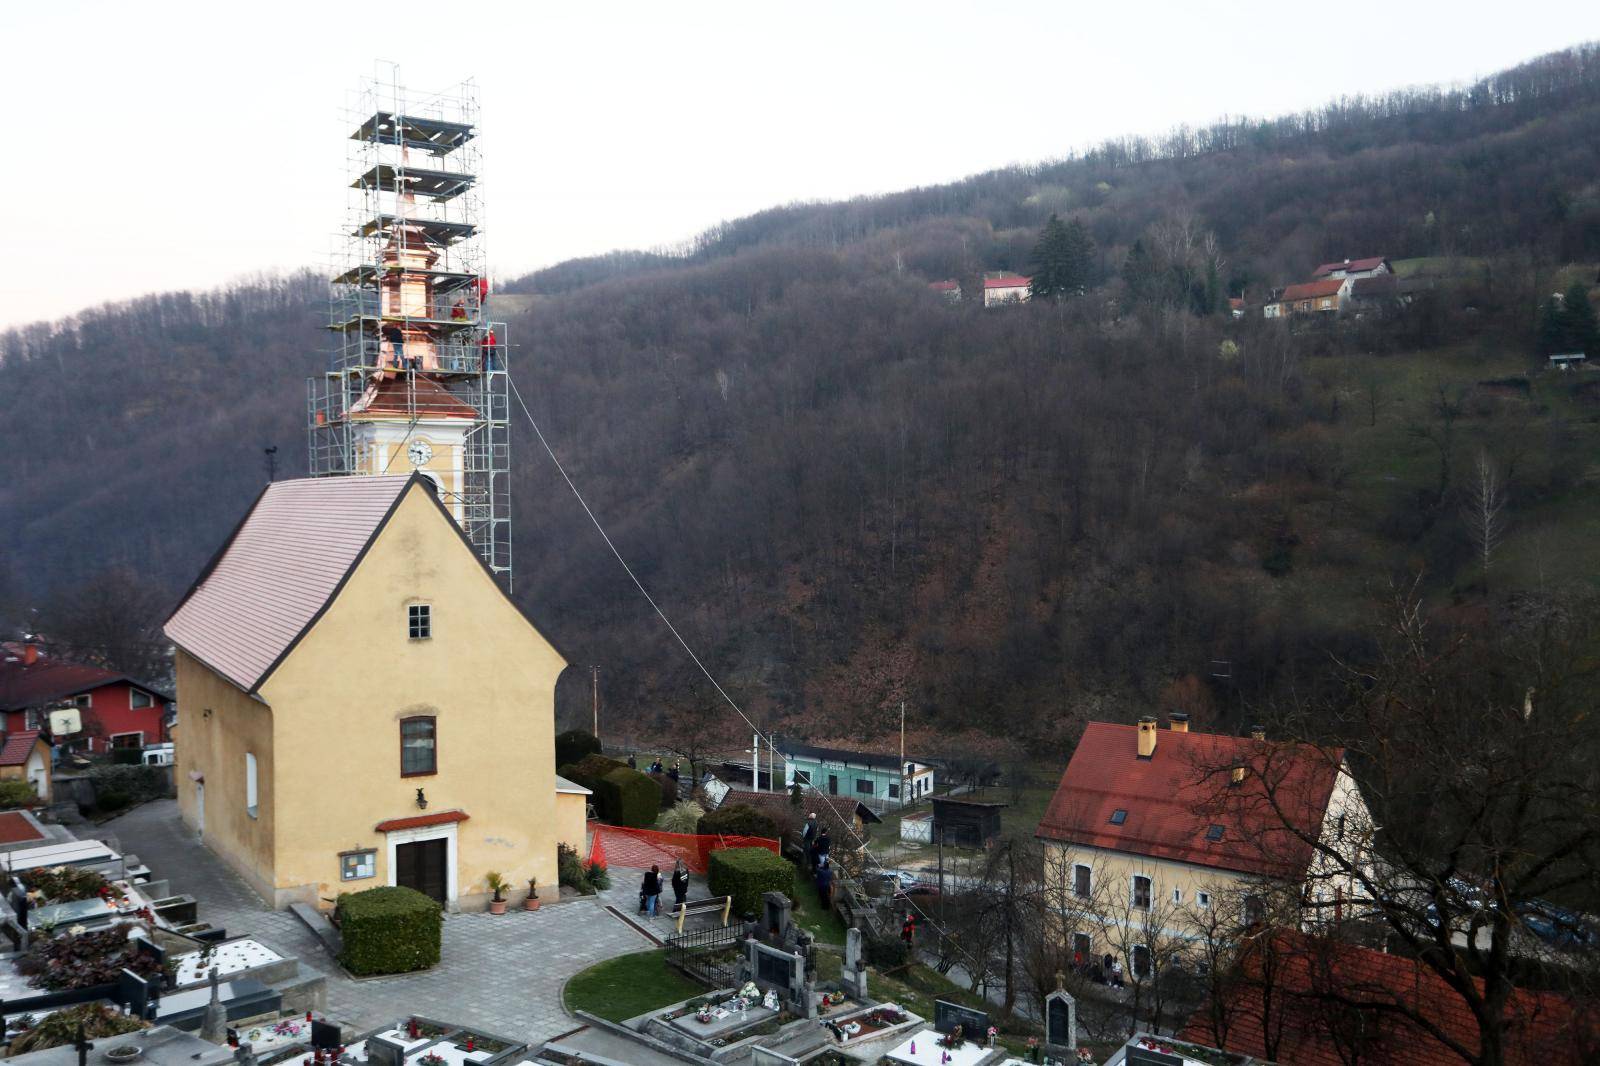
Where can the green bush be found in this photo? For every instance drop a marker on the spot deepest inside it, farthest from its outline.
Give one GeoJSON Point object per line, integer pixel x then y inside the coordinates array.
{"type": "Point", "coordinates": [588, 771]}
{"type": "Point", "coordinates": [668, 787]}
{"type": "Point", "coordinates": [570, 871]}
{"type": "Point", "coordinates": [745, 873]}
{"type": "Point", "coordinates": [738, 820]}
{"type": "Point", "coordinates": [388, 930]}
{"type": "Point", "coordinates": [598, 875]}
{"type": "Point", "coordinates": [14, 794]}
{"type": "Point", "coordinates": [627, 797]}
{"type": "Point", "coordinates": [110, 800]}
{"type": "Point", "coordinates": [887, 952]}
{"type": "Point", "coordinates": [137, 783]}
{"type": "Point", "coordinates": [574, 745]}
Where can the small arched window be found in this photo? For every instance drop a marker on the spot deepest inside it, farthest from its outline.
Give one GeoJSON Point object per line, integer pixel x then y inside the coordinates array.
{"type": "Point", "coordinates": [419, 746]}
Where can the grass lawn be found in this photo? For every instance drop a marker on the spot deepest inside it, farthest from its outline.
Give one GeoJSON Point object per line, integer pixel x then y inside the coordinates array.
{"type": "Point", "coordinates": [629, 985]}
{"type": "Point", "coordinates": [809, 915]}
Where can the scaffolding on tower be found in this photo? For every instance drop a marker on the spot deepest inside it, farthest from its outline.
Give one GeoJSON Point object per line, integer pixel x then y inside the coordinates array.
{"type": "Point", "coordinates": [414, 348]}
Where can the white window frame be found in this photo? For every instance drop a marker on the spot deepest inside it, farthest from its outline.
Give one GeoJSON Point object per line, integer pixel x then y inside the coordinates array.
{"type": "Point", "coordinates": [84, 702]}
{"type": "Point", "coordinates": [134, 694]}
{"type": "Point", "coordinates": [1202, 900]}
{"type": "Point", "coordinates": [252, 785]}
{"type": "Point", "coordinates": [1177, 895]}
{"type": "Point", "coordinates": [1149, 893]}
{"type": "Point", "coordinates": [112, 739]}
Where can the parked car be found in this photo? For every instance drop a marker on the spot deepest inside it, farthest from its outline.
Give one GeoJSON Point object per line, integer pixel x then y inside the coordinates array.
{"type": "Point", "coordinates": [1558, 927]}
{"type": "Point", "coordinates": [908, 885]}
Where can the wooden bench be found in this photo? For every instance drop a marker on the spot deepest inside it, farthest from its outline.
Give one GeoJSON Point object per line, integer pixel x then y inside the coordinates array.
{"type": "Point", "coordinates": [724, 903]}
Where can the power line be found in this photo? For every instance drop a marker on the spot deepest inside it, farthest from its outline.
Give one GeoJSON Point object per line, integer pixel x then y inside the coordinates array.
{"type": "Point", "coordinates": [843, 821]}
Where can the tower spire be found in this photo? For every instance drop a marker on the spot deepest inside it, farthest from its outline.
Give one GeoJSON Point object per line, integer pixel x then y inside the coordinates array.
{"type": "Point", "coordinates": [417, 378]}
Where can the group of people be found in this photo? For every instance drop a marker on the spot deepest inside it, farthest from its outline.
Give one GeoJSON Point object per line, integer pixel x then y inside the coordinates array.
{"type": "Point", "coordinates": [674, 772]}
{"type": "Point", "coordinates": [818, 846]}
{"type": "Point", "coordinates": [650, 890]}
{"type": "Point", "coordinates": [1106, 970]}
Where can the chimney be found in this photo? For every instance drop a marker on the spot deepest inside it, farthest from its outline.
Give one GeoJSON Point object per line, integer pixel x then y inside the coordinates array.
{"type": "Point", "coordinates": [1178, 722]}
{"type": "Point", "coordinates": [1236, 775]}
{"type": "Point", "coordinates": [1258, 732]}
{"type": "Point", "coordinates": [1147, 737]}
{"type": "Point", "coordinates": [30, 653]}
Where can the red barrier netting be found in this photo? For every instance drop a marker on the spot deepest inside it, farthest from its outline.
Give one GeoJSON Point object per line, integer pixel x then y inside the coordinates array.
{"type": "Point", "coordinates": [639, 849]}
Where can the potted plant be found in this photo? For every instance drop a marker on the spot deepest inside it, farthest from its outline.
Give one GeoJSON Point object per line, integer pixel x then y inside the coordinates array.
{"type": "Point", "coordinates": [532, 902]}
{"type": "Point", "coordinates": [497, 885]}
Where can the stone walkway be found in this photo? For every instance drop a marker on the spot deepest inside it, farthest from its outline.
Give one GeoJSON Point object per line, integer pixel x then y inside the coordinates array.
{"type": "Point", "coordinates": [502, 973]}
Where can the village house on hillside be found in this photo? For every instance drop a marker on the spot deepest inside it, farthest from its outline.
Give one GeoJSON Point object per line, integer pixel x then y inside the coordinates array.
{"type": "Point", "coordinates": [363, 704]}
{"type": "Point", "coordinates": [1002, 287]}
{"type": "Point", "coordinates": [879, 781]}
{"type": "Point", "coordinates": [117, 711]}
{"type": "Point", "coordinates": [1147, 818]}
{"type": "Point", "coordinates": [1353, 268]}
{"type": "Point", "coordinates": [950, 289]}
{"type": "Point", "coordinates": [1310, 297]}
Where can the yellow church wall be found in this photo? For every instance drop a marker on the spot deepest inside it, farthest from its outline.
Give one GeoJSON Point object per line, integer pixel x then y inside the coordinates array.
{"type": "Point", "coordinates": [338, 698]}
{"type": "Point", "coordinates": [572, 827]}
{"type": "Point", "coordinates": [218, 726]}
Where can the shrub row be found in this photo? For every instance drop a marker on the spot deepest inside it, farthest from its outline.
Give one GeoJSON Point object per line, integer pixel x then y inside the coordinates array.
{"type": "Point", "coordinates": [621, 796]}
{"type": "Point", "coordinates": [14, 794]}
{"type": "Point", "coordinates": [575, 744]}
{"type": "Point", "coordinates": [137, 783]}
{"type": "Point", "coordinates": [738, 819]}
{"type": "Point", "coordinates": [388, 930]}
{"type": "Point", "coordinates": [745, 873]}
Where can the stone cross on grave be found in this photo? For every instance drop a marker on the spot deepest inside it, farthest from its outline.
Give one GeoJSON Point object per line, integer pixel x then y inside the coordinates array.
{"type": "Point", "coordinates": [214, 1023]}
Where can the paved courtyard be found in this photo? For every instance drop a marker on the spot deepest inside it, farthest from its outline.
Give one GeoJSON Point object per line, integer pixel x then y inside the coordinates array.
{"type": "Point", "coordinates": [502, 973]}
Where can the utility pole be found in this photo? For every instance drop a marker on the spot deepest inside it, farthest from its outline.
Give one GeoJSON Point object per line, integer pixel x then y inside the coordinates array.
{"type": "Point", "coordinates": [271, 452]}
{"type": "Point", "coordinates": [755, 762]}
{"type": "Point", "coordinates": [903, 781]}
{"type": "Point", "coordinates": [772, 758]}
{"type": "Point", "coordinates": [595, 673]}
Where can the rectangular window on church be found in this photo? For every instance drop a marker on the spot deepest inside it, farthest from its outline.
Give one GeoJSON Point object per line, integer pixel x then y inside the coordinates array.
{"type": "Point", "coordinates": [418, 747]}
{"type": "Point", "coordinates": [420, 621]}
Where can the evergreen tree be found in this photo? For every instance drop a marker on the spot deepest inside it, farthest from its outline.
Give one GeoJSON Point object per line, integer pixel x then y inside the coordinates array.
{"type": "Point", "coordinates": [1052, 266]}
{"type": "Point", "coordinates": [1079, 255]}
{"type": "Point", "coordinates": [1581, 333]}
{"type": "Point", "coordinates": [1139, 273]}
{"type": "Point", "coordinates": [1552, 326]}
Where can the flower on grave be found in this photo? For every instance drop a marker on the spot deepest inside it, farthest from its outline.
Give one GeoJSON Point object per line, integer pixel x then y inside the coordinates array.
{"type": "Point", "coordinates": [1084, 1057]}
{"type": "Point", "coordinates": [77, 930]}
{"type": "Point", "coordinates": [1033, 1041]}
{"type": "Point", "coordinates": [431, 1059]}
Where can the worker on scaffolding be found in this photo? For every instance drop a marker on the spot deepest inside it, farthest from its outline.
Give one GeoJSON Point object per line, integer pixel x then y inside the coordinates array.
{"type": "Point", "coordinates": [397, 346]}
{"type": "Point", "coordinates": [488, 345]}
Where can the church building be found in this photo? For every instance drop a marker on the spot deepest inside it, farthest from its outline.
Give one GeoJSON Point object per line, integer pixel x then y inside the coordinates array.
{"type": "Point", "coordinates": [363, 703]}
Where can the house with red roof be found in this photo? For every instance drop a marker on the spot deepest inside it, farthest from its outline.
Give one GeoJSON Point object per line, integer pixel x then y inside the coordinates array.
{"type": "Point", "coordinates": [1330, 1003]}
{"type": "Point", "coordinates": [1354, 268]}
{"type": "Point", "coordinates": [25, 756]}
{"type": "Point", "coordinates": [1327, 296]}
{"type": "Point", "coordinates": [118, 711]}
{"type": "Point", "coordinates": [949, 288]}
{"type": "Point", "coordinates": [1164, 825]}
{"type": "Point", "coordinates": [1003, 287]}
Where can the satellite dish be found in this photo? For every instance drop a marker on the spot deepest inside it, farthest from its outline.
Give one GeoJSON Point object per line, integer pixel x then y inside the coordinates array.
{"type": "Point", "coordinates": [65, 722]}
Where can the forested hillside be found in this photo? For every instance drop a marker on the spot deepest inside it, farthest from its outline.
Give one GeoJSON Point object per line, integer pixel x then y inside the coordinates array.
{"type": "Point", "coordinates": [849, 492]}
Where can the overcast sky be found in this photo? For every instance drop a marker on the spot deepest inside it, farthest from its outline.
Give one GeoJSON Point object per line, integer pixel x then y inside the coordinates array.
{"type": "Point", "coordinates": [168, 146]}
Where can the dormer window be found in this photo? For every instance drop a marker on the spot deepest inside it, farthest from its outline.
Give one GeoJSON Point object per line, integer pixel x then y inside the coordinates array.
{"type": "Point", "coordinates": [1119, 816]}
{"type": "Point", "coordinates": [1214, 833]}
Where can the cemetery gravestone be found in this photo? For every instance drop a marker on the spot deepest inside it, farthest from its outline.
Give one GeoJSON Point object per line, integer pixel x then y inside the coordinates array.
{"type": "Point", "coordinates": [1060, 1023]}
{"type": "Point", "coordinates": [946, 1016]}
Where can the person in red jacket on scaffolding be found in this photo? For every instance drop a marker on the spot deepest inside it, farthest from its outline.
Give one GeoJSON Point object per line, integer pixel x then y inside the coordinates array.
{"type": "Point", "coordinates": [488, 344]}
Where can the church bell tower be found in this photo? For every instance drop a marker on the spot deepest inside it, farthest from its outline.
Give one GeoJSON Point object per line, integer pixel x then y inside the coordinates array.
{"type": "Point", "coordinates": [417, 378]}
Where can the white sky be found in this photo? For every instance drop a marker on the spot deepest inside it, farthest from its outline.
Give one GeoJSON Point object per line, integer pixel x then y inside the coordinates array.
{"type": "Point", "coordinates": [156, 146]}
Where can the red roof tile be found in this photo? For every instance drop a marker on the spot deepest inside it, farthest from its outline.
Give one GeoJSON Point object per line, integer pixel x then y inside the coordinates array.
{"type": "Point", "coordinates": [49, 680]}
{"type": "Point", "coordinates": [1173, 799]}
{"type": "Point", "coordinates": [1545, 1029]}
{"type": "Point", "coordinates": [1371, 263]}
{"type": "Point", "coordinates": [1310, 290]}
{"type": "Point", "coordinates": [18, 747]}
{"type": "Point", "coordinates": [428, 399]}
{"type": "Point", "coordinates": [15, 828]}
{"type": "Point", "coordinates": [1005, 281]}
{"type": "Point", "coordinates": [420, 821]}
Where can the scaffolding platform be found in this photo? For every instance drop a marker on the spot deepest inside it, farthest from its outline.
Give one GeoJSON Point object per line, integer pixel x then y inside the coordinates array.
{"type": "Point", "coordinates": [437, 185]}
{"type": "Point", "coordinates": [433, 135]}
{"type": "Point", "coordinates": [369, 274]}
{"type": "Point", "coordinates": [440, 231]}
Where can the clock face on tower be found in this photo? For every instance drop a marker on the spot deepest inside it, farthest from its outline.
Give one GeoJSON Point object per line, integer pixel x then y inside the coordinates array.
{"type": "Point", "coordinates": [419, 452]}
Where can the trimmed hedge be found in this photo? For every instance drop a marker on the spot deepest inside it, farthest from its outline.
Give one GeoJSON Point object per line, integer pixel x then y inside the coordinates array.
{"type": "Point", "coordinates": [588, 771]}
{"type": "Point", "coordinates": [738, 820]}
{"type": "Point", "coordinates": [574, 745]}
{"type": "Point", "coordinates": [745, 873]}
{"type": "Point", "coordinates": [627, 797]}
{"type": "Point", "coordinates": [389, 930]}
{"type": "Point", "coordinates": [137, 783]}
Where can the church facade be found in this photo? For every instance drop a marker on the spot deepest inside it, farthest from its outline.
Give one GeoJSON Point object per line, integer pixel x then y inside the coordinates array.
{"type": "Point", "coordinates": [364, 705]}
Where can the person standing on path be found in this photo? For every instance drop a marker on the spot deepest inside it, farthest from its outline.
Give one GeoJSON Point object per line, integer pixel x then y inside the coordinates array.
{"type": "Point", "coordinates": [680, 884]}
{"type": "Point", "coordinates": [650, 891]}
